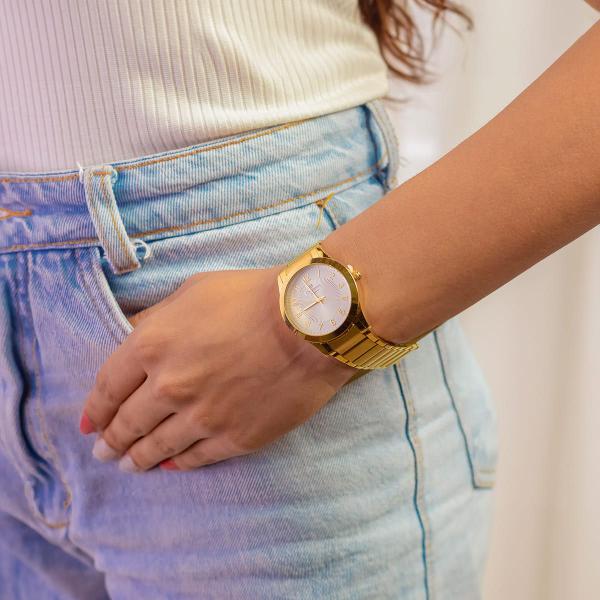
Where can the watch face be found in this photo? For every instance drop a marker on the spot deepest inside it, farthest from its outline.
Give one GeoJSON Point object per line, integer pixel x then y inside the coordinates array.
{"type": "Point", "coordinates": [317, 299]}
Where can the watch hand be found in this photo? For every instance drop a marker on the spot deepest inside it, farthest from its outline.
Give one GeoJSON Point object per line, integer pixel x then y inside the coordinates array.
{"type": "Point", "coordinates": [315, 302]}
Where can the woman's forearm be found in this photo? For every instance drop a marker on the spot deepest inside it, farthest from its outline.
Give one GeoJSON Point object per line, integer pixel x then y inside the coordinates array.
{"type": "Point", "coordinates": [520, 188]}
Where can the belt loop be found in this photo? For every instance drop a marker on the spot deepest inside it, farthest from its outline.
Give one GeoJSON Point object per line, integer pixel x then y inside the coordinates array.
{"type": "Point", "coordinates": [388, 140]}
{"type": "Point", "coordinates": [98, 185]}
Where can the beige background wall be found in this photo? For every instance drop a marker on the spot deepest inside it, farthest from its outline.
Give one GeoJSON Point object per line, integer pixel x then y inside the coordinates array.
{"type": "Point", "coordinates": [537, 336]}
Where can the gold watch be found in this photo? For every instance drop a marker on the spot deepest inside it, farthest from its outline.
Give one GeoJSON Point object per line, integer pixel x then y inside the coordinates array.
{"type": "Point", "coordinates": [319, 300]}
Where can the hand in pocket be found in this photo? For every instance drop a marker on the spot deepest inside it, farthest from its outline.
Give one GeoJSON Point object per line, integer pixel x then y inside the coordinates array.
{"type": "Point", "coordinates": [208, 373]}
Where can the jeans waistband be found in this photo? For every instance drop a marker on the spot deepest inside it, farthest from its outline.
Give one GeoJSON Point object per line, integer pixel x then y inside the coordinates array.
{"type": "Point", "coordinates": [198, 187]}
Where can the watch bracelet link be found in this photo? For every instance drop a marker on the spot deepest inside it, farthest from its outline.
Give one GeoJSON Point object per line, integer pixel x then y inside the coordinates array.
{"type": "Point", "coordinates": [362, 349]}
{"type": "Point", "coordinates": [373, 352]}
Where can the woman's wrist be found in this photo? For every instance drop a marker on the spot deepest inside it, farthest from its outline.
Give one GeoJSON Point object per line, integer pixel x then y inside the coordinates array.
{"type": "Point", "coordinates": [395, 314]}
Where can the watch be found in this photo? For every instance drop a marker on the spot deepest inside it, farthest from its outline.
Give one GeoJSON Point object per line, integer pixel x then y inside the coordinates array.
{"type": "Point", "coordinates": [319, 300]}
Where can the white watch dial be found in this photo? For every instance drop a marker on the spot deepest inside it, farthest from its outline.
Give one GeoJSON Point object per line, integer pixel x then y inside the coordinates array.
{"type": "Point", "coordinates": [317, 299]}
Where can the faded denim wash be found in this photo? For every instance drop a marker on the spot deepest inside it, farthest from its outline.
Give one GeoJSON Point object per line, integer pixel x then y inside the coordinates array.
{"type": "Point", "coordinates": [385, 493]}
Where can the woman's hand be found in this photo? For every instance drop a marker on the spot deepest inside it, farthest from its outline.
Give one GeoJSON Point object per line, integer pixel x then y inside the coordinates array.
{"type": "Point", "coordinates": [209, 373]}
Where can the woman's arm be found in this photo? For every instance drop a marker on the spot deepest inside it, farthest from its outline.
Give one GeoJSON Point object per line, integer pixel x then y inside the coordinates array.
{"type": "Point", "coordinates": [191, 388]}
{"type": "Point", "coordinates": [521, 187]}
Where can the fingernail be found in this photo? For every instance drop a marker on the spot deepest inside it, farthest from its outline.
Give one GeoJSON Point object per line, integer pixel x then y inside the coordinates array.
{"type": "Point", "coordinates": [126, 464]}
{"type": "Point", "coordinates": [168, 464]}
{"type": "Point", "coordinates": [85, 425]}
{"type": "Point", "coordinates": [102, 451]}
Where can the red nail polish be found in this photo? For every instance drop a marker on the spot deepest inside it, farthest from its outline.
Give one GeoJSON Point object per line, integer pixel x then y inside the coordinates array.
{"type": "Point", "coordinates": [169, 464]}
{"type": "Point", "coordinates": [85, 425]}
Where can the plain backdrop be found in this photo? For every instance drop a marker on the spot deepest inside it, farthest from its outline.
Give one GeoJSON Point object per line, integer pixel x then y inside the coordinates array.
{"type": "Point", "coordinates": [536, 336]}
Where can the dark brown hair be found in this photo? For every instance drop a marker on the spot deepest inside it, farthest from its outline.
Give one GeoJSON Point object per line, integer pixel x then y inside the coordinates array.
{"type": "Point", "coordinates": [400, 40]}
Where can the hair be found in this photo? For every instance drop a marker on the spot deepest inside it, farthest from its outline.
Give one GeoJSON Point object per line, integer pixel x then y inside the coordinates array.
{"type": "Point", "coordinates": [400, 40]}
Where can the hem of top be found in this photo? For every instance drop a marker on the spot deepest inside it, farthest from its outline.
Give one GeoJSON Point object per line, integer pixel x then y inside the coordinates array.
{"type": "Point", "coordinates": [123, 164]}
{"type": "Point", "coordinates": [164, 155]}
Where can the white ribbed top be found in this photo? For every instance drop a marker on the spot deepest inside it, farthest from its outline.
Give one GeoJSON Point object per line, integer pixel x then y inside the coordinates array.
{"type": "Point", "coordinates": [105, 80]}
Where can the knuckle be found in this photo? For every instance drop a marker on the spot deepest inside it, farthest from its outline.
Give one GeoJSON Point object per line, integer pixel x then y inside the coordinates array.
{"type": "Point", "coordinates": [168, 388]}
{"type": "Point", "coordinates": [242, 443]}
{"type": "Point", "coordinates": [206, 422]}
{"type": "Point", "coordinates": [200, 456]}
{"type": "Point", "coordinates": [130, 424]}
{"type": "Point", "coordinates": [102, 384]}
{"type": "Point", "coordinates": [101, 381]}
{"type": "Point", "coordinates": [138, 459]}
{"type": "Point", "coordinates": [148, 345]}
{"type": "Point", "coordinates": [111, 438]}
{"type": "Point", "coordinates": [164, 447]}
{"type": "Point", "coordinates": [185, 464]}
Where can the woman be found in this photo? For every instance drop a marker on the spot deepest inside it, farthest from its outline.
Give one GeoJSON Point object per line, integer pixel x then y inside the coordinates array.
{"type": "Point", "coordinates": [162, 165]}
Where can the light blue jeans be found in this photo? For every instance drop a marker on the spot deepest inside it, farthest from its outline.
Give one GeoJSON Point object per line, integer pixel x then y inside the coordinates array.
{"type": "Point", "coordinates": [384, 493]}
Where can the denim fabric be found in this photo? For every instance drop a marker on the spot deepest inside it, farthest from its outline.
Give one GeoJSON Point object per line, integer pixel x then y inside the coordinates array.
{"type": "Point", "coordinates": [384, 493]}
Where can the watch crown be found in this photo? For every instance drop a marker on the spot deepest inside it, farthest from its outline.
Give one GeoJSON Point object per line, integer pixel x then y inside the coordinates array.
{"type": "Point", "coordinates": [354, 272]}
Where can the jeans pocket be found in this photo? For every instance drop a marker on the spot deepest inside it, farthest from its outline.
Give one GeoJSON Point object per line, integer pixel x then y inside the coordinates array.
{"type": "Point", "coordinates": [261, 242]}
{"type": "Point", "coordinates": [471, 401]}
{"type": "Point", "coordinates": [91, 265]}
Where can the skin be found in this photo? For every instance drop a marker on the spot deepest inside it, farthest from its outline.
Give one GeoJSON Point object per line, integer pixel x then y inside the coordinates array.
{"type": "Point", "coordinates": [193, 390]}
{"type": "Point", "coordinates": [239, 393]}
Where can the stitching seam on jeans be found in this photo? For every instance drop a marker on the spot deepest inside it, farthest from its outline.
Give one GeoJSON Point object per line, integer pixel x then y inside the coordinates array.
{"type": "Point", "coordinates": [211, 148]}
{"type": "Point", "coordinates": [40, 179]}
{"type": "Point", "coordinates": [322, 203]}
{"type": "Point", "coordinates": [418, 496]}
{"type": "Point", "coordinates": [260, 208]}
{"type": "Point", "coordinates": [477, 483]}
{"type": "Point", "coordinates": [44, 425]}
{"type": "Point", "coordinates": [386, 127]}
{"type": "Point", "coordinates": [176, 156]}
{"type": "Point", "coordinates": [7, 213]}
{"type": "Point", "coordinates": [88, 279]}
{"type": "Point", "coordinates": [327, 210]}
{"type": "Point", "coordinates": [379, 124]}
{"type": "Point", "coordinates": [27, 485]}
{"type": "Point", "coordinates": [20, 294]}
{"type": "Point", "coordinates": [38, 408]}
{"type": "Point", "coordinates": [475, 472]}
{"type": "Point", "coordinates": [204, 221]}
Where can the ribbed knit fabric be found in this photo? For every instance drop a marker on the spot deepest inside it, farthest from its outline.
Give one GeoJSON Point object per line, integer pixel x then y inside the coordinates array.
{"type": "Point", "coordinates": [105, 80]}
